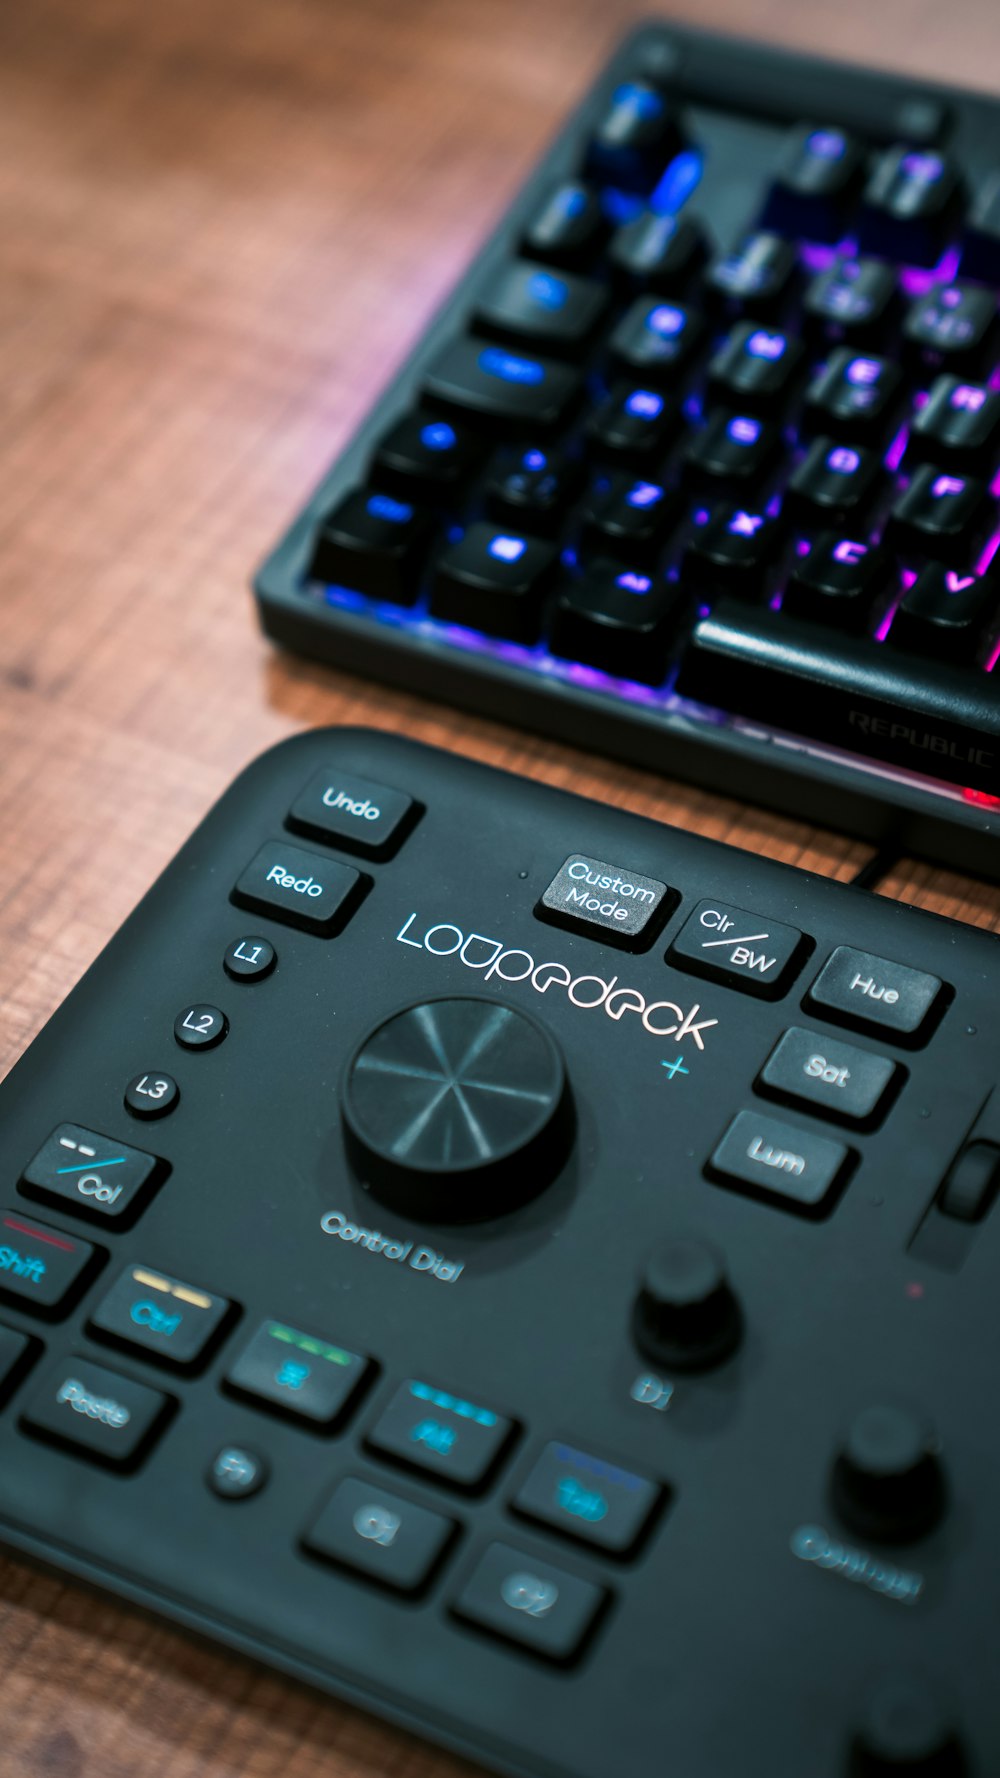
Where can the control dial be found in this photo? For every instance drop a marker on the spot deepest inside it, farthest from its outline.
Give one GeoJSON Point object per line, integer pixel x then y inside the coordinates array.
{"type": "Point", "coordinates": [457, 1109]}
{"type": "Point", "coordinates": [686, 1316]}
{"type": "Point", "coordinates": [906, 1729]}
{"type": "Point", "coordinates": [887, 1477]}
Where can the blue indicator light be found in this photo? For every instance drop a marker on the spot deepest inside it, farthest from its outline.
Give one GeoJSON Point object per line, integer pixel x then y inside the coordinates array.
{"type": "Point", "coordinates": [862, 373]}
{"type": "Point", "coordinates": [666, 320]}
{"type": "Point", "coordinates": [439, 436]}
{"type": "Point", "coordinates": [453, 1404]}
{"type": "Point", "coordinates": [925, 169]}
{"type": "Point", "coordinates": [291, 1375]}
{"type": "Point", "coordinates": [534, 461]}
{"type": "Point", "coordinates": [547, 290]}
{"type": "Point", "coordinates": [743, 430]}
{"type": "Point", "coordinates": [826, 145]}
{"type": "Point", "coordinates": [641, 99]}
{"type": "Point", "coordinates": [843, 461]}
{"type": "Point", "coordinates": [620, 206]}
{"type": "Point", "coordinates": [745, 524]}
{"type": "Point", "coordinates": [633, 583]}
{"type": "Point", "coordinates": [643, 494]}
{"type": "Point", "coordinates": [644, 404]}
{"type": "Point", "coordinates": [395, 512]}
{"type": "Point", "coordinates": [571, 200]}
{"type": "Point", "coordinates": [507, 549]}
{"type": "Point", "coordinates": [770, 346]}
{"type": "Point", "coordinates": [681, 178]}
{"type": "Point", "coordinates": [509, 367]}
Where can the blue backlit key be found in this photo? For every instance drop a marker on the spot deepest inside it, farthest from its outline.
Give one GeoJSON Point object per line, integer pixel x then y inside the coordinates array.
{"type": "Point", "coordinates": [584, 1497]}
{"type": "Point", "coordinates": [567, 227]}
{"type": "Point", "coordinates": [908, 204]}
{"type": "Point", "coordinates": [958, 426]}
{"type": "Point", "coordinates": [494, 581]}
{"type": "Point", "coordinates": [458, 1441]}
{"type": "Point", "coordinates": [619, 620]}
{"type": "Point", "coordinates": [374, 542]}
{"type": "Point", "coordinates": [635, 138]}
{"type": "Point", "coordinates": [756, 277]}
{"type": "Point", "coordinates": [732, 553]}
{"type": "Point", "coordinates": [628, 517]}
{"type": "Point", "coordinates": [494, 383]}
{"type": "Point", "coordinates": [836, 581]}
{"type": "Point", "coordinates": [816, 181]}
{"type": "Point", "coordinates": [423, 458]}
{"type": "Point", "coordinates": [736, 449]}
{"type": "Point", "coordinates": [853, 396]}
{"type": "Point", "coordinates": [654, 252]}
{"type": "Point", "coordinates": [655, 340]}
{"type": "Point", "coordinates": [944, 613]}
{"type": "Point", "coordinates": [853, 300]}
{"type": "Point", "coordinates": [755, 367]}
{"type": "Point", "coordinates": [952, 327]}
{"type": "Point", "coordinates": [940, 515]}
{"type": "Point", "coordinates": [531, 486]}
{"type": "Point", "coordinates": [833, 483]}
{"type": "Point", "coordinates": [542, 305]}
{"type": "Point", "coordinates": [634, 424]}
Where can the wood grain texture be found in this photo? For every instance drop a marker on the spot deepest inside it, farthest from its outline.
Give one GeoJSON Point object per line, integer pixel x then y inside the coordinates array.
{"type": "Point", "coordinates": [222, 222]}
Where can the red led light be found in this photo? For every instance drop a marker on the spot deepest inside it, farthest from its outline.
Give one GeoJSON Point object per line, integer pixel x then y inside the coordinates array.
{"type": "Point", "coordinates": [981, 798]}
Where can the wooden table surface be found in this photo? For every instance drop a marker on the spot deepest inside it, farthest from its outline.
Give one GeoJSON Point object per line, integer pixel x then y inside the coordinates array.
{"type": "Point", "coordinates": [221, 224]}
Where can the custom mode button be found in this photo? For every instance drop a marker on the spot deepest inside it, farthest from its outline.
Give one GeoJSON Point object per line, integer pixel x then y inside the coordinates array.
{"type": "Point", "coordinates": [172, 1319]}
{"type": "Point", "coordinates": [541, 1607]}
{"type": "Point", "coordinates": [835, 1079]}
{"type": "Point", "coordinates": [606, 900]}
{"type": "Point", "coordinates": [83, 1404]}
{"type": "Point", "coordinates": [305, 889]}
{"type": "Point", "coordinates": [588, 1498]}
{"type": "Point", "coordinates": [298, 1373]}
{"type": "Point", "coordinates": [95, 1174]}
{"type": "Point", "coordinates": [352, 812]}
{"type": "Point", "coordinates": [727, 944]}
{"type": "Point", "coordinates": [792, 1165]}
{"type": "Point", "coordinates": [858, 989]}
{"type": "Point", "coordinates": [455, 1439]}
{"type": "Point", "coordinates": [390, 1540]}
{"type": "Point", "coordinates": [40, 1265]}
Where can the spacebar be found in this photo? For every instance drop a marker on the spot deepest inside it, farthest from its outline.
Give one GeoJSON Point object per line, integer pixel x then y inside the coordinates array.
{"type": "Point", "coordinates": [938, 720]}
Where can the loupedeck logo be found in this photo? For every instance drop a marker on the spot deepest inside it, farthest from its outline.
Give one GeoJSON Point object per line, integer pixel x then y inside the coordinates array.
{"type": "Point", "coordinates": [661, 1018]}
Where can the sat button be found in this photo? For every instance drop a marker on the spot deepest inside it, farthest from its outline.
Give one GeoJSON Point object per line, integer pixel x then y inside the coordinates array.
{"type": "Point", "coordinates": [352, 812]}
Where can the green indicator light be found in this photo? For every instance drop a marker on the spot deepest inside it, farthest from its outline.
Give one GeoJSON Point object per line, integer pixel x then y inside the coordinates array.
{"type": "Point", "coordinates": [305, 1343]}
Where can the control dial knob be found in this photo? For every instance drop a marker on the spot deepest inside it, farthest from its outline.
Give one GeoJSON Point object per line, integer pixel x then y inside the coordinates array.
{"type": "Point", "coordinates": [457, 1109]}
{"type": "Point", "coordinates": [887, 1477]}
{"type": "Point", "coordinates": [686, 1316]}
{"type": "Point", "coordinates": [908, 1730]}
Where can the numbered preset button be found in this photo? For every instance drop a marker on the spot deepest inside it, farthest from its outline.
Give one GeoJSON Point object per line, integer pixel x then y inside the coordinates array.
{"type": "Point", "coordinates": [857, 988]}
{"type": "Point", "coordinates": [96, 1175]}
{"type": "Point", "coordinates": [249, 959]}
{"type": "Point", "coordinates": [151, 1094]}
{"type": "Point", "coordinates": [352, 812]}
{"type": "Point", "coordinates": [200, 1027]}
{"type": "Point", "coordinates": [389, 1539]}
{"type": "Point", "coordinates": [529, 1602]}
{"type": "Point", "coordinates": [836, 1079]}
{"type": "Point", "coordinates": [744, 950]}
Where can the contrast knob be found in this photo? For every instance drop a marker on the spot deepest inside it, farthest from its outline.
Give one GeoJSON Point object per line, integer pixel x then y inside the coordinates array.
{"type": "Point", "coordinates": [887, 1478]}
{"type": "Point", "coordinates": [686, 1315]}
{"type": "Point", "coordinates": [907, 1728]}
{"type": "Point", "coordinates": [457, 1109]}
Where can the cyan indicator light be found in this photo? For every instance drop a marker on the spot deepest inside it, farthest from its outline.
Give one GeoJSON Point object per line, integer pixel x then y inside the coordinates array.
{"type": "Point", "coordinates": [452, 1404]}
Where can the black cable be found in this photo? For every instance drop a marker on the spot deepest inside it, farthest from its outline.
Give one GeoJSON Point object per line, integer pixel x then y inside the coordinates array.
{"type": "Point", "coordinates": [878, 866]}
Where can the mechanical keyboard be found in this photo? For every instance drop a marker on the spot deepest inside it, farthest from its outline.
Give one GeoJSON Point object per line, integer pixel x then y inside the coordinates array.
{"type": "Point", "coordinates": [699, 464]}
{"type": "Point", "coordinates": [526, 1270]}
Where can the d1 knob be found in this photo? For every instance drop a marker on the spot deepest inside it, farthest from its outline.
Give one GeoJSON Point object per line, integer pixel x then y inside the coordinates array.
{"type": "Point", "coordinates": [686, 1315]}
{"type": "Point", "coordinates": [887, 1479]}
{"type": "Point", "coordinates": [906, 1729]}
{"type": "Point", "coordinates": [457, 1109]}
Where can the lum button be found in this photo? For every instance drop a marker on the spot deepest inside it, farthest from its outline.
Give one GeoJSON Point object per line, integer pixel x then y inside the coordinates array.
{"type": "Point", "coordinates": [606, 900]}
{"type": "Point", "coordinates": [729, 945]}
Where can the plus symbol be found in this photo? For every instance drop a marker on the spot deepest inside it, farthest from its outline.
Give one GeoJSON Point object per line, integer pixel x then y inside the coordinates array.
{"type": "Point", "coordinates": [675, 1067]}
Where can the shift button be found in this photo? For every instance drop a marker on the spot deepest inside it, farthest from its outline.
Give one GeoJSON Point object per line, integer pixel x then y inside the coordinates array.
{"type": "Point", "coordinates": [607, 901]}
{"type": "Point", "coordinates": [40, 1265]}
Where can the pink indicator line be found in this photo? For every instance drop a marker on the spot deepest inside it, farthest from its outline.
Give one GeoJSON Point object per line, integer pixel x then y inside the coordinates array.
{"type": "Point", "coordinates": [894, 455]}
{"type": "Point", "coordinates": [994, 657]}
{"type": "Point", "coordinates": [36, 1235]}
{"type": "Point", "coordinates": [988, 553]}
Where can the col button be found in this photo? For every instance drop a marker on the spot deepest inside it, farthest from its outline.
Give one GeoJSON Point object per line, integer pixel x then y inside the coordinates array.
{"type": "Point", "coordinates": [587, 1498]}
{"type": "Point", "coordinates": [430, 1429]}
{"type": "Point", "coordinates": [98, 1175]}
{"type": "Point", "coordinates": [607, 901]}
{"type": "Point", "coordinates": [352, 812]}
{"type": "Point", "coordinates": [174, 1320]}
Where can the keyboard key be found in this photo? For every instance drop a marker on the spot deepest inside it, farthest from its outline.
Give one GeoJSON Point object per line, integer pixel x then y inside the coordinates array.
{"type": "Point", "coordinates": [175, 1321]}
{"type": "Point", "coordinates": [833, 484]}
{"type": "Point", "coordinates": [795, 1167]}
{"type": "Point", "coordinates": [656, 340]}
{"type": "Point", "coordinates": [953, 327]}
{"type": "Point", "coordinates": [556, 310]}
{"type": "Point", "coordinates": [634, 424]}
{"type": "Point", "coordinates": [151, 1094]}
{"type": "Point", "coordinates": [301, 888]}
{"type": "Point", "coordinates": [458, 1441]}
{"type": "Point", "coordinates": [606, 901]}
{"type": "Point", "coordinates": [628, 517]}
{"type": "Point", "coordinates": [754, 368]}
{"type": "Point", "coordinates": [817, 179]}
{"type": "Point", "coordinates": [635, 138]}
{"type": "Point", "coordinates": [733, 449]}
{"type": "Point", "coordinates": [107, 1416]}
{"type": "Point", "coordinates": [494, 581]}
{"type": "Point", "coordinates": [529, 1602]}
{"type": "Point", "coordinates": [945, 613]}
{"type": "Point", "coordinates": [489, 383]}
{"type": "Point", "coordinates": [653, 252]}
{"type": "Point", "coordinates": [867, 992]}
{"type": "Point", "coordinates": [854, 300]}
{"type": "Point", "coordinates": [756, 278]}
{"type": "Point", "coordinates": [588, 1499]}
{"type": "Point", "coordinates": [375, 543]}
{"type": "Point", "coordinates": [853, 397]}
{"type": "Point", "coordinates": [958, 427]}
{"type": "Point", "coordinates": [732, 553]}
{"type": "Point", "coordinates": [616, 619]}
{"type": "Point", "coordinates": [388, 1539]}
{"type": "Point", "coordinates": [299, 1374]}
{"type": "Point", "coordinates": [568, 225]}
{"type": "Point", "coordinates": [16, 1353]}
{"type": "Point", "coordinates": [532, 487]}
{"type": "Point", "coordinates": [908, 205]}
{"type": "Point", "coordinates": [41, 1266]}
{"type": "Point", "coordinates": [836, 583]}
{"type": "Point", "coordinates": [726, 944]}
{"type": "Point", "coordinates": [425, 459]}
{"type": "Point", "coordinates": [981, 250]}
{"type": "Point", "coordinates": [352, 812]}
{"type": "Point", "coordinates": [939, 515]}
{"type": "Point", "coordinates": [835, 1079]}
{"type": "Point", "coordinates": [92, 1174]}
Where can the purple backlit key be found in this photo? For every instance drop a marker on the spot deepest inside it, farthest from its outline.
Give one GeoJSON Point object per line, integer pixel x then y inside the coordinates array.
{"type": "Point", "coordinates": [733, 448]}
{"type": "Point", "coordinates": [755, 367]}
{"type": "Point", "coordinates": [952, 326]}
{"type": "Point", "coordinates": [834, 483]}
{"type": "Point", "coordinates": [944, 612]}
{"type": "Point", "coordinates": [836, 581]}
{"type": "Point", "coordinates": [853, 300]}
{"type": "Point", "coordinates": [908, 204]}
{"type": "Point", "coordinates": [854, 396]}
{"type": "Point", "coordinates": [940, 515]}
{"type": "Point", "coordinates": [634, 424]}
{"type": "Point", "coordinates": [756, 277]}
{"type": "Point", "coordinates": [616, 619]}
{"type": "Point", "coordinates": [958, 426]}
{"type": "Point", "coordinates": [817, 178]}
{"type": "Point", "coordinates": [731, 553]}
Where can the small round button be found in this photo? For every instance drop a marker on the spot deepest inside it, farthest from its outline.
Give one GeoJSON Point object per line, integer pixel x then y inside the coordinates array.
{"type": "Point", "coordinates": [151, 1095]}
{"type": "Point", "coordinates": [906, 1728]}
{"type": "Point", "coordinates": [686, 1315]}
{"type": "Point", "coordinates": [249, 959]}
{"type": "Point", "coordinates": [200, 1027]}
{"type": "Point", "coordinates": [887, 1478]}
{"type": "Point", "coordinates": [235, 1473]}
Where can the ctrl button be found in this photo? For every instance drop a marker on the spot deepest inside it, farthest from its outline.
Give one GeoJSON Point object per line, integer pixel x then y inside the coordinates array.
{"type": "Point", "coordinates": [543, 1608]}
{"type": "Point", "coordinates": [110, 1417]}
{"type": "Point", "coordinates": [389, 1539]}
